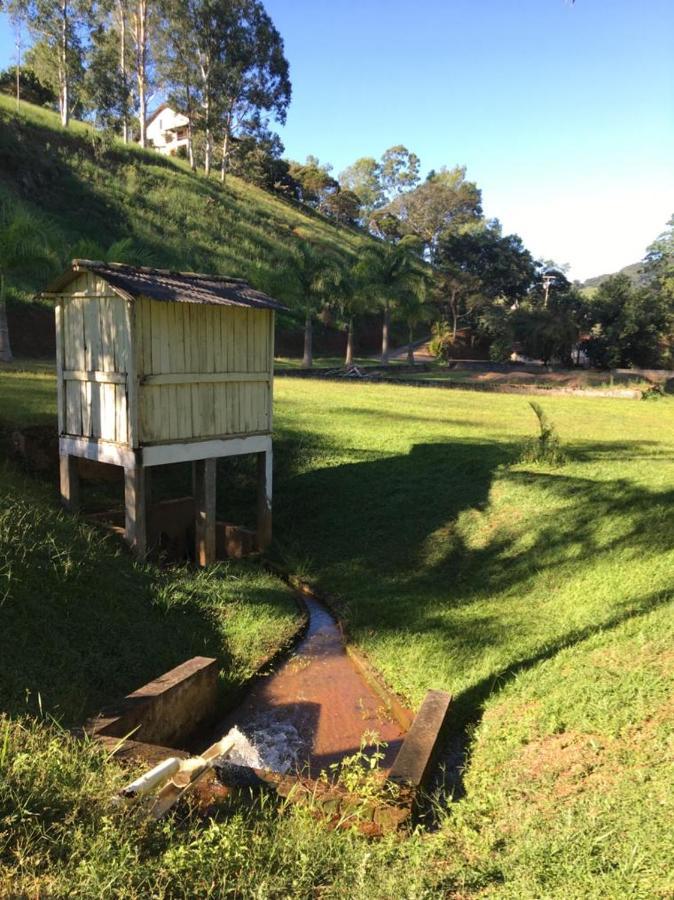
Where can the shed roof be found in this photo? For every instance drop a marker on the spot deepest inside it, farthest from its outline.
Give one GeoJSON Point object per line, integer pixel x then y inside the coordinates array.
{"type": "Point", "coordinates": [131, 282]}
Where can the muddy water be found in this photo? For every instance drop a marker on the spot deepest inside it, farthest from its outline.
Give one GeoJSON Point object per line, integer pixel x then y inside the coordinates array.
{"type": "Point", "coordinates": [313, 710]}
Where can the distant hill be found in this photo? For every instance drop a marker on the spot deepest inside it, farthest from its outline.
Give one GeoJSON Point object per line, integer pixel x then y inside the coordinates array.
{"type": "Point", "coordinates": [635, 272]}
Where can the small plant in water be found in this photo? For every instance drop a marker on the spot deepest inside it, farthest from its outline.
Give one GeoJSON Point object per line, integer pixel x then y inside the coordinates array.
{"type": "Point", "coordinates": [547, 447]}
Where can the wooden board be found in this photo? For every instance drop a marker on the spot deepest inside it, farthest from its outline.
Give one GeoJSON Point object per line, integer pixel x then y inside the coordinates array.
{"type": "Point", "coordinates": [203, 371]}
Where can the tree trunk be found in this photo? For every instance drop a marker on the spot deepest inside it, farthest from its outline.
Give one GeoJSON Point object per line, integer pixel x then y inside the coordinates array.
{"type": "Point", "coordinates": [410, 348]}
{"type": "Point", "coordinates": [18, 67]}
{"type": "Point", "coordinates": [455, 315]}
{"type": "Point", "coordinates": [141, 68]}
{"type": "Point", "coordinates": [63, 66]}
{"type": "Point", "coordinates": [225, 155]}
{"type": "Point", "coordinates": [207, 152]}
{"type": "Point", "coordinates": [5, 346]}
{"type": "Point", "coordinates": [308, 358]}
{"type": "Point", "coordinates": [348, 361]}
{"type": "Point", "coordinates": [122, 69]}
{"type": "Point", "coordinates": [190, 144]}
{"type": "Point", "coordinates": [386, 325]}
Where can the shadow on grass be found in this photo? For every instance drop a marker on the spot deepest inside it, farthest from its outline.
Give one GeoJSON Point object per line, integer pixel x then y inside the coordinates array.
{"type": "Point", "coordinates": [384, 533]}
{"type": "Point", "coordinates": [81, 624]}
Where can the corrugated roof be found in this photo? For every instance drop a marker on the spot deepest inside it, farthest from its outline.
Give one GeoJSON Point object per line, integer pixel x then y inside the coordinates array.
{"type": "Point", "coordinates": [162, 284]}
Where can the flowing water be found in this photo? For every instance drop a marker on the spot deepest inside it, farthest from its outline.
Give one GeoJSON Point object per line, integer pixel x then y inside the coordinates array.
{"type": "Point", "coordinates": [312, 710]}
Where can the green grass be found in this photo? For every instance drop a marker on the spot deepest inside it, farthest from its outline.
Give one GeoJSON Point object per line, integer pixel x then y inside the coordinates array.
{"type": "Point", "coordinates": [541, 597]}
{"type": "Point", "coordinates": [100, 190]}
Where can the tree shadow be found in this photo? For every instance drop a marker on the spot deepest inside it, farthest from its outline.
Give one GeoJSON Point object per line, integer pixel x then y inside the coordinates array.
{"type": "Point", "coordinates": [386, 535]}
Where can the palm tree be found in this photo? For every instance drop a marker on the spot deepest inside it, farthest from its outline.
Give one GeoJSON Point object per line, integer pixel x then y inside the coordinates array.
{"type": "Point", "coordinates": [316, 275]}
{"type": "Point", "coordinates": [413, 310]}
{"type": "Point", "coordinates": [391, 271]}
{"type": "Point", "coordinates": [24, 249]}
{"type": "Point", "coordinates": [351, 297]}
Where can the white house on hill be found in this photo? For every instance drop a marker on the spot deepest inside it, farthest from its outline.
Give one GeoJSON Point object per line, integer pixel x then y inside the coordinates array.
{"type": "Point", "coordinates": [167, 130]}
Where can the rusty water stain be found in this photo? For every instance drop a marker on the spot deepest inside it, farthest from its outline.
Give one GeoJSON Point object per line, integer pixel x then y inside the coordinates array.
{"type": "Point", "coordinates": [315, 708]}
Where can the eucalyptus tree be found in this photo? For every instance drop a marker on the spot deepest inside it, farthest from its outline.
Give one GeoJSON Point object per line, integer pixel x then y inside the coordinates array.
{"type": "Point", "coordinates": [444, 201]}
{"type": "Point", "coordinates": [225, 60]}
{"type": "Point", "coordinates": [57, 26]}
{"type": "Point", "coordinates": [24, 249]}
{"type": "Point", "coordinates": [253, 77]}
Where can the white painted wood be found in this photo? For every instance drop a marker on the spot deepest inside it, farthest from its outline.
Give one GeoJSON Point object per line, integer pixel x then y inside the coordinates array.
{"type": "Point", "coordinates": [204, 377]}
{"type": "Point", "coordinates": [99, 451]}
{"type": "Point", "coordinates": [60, 391]}
{"type": "Point", "coordinates": [69, 481]}
{"type": "Point", "coordinates": [264, 494]}
{"type": "Point", "coordinates": [204, 481]}
{"type": "Point", "coordinates": [136, 503]}
{"type": "Point", "coordinates": [163, 454]}
{"type": "Point", "coordinates": [127, 404]}
{"type": "Point", "coordinates": [102, 377]}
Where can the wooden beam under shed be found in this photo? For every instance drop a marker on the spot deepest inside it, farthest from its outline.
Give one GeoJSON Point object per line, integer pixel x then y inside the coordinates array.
{"type": "Point", "coordinates": [204, 480]}
{"type": "Point", "coordinates": [137, 480]}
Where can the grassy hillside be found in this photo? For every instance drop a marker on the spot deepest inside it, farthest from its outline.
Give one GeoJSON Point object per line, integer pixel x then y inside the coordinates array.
{"type": "Point", "coordinates": [95, 189]}
{"type": "Point", "coordinates": [541, 597]}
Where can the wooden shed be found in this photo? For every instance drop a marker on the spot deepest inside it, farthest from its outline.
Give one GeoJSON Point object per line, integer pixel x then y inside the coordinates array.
{"type": "Point", "coordinates": [157, 367]}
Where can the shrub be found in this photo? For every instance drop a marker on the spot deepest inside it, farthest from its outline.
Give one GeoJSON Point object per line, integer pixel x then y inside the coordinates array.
{"type": "Point", "coordinates": [547, 447]}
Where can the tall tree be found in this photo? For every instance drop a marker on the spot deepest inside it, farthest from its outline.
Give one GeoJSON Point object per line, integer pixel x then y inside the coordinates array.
{"type": "Point", "coordinates": [314, 180]}
{"type": "Point", "coordinates": [364, 179]}
{"type": "Point", "coordinates": [445, 201]}
{"type": "Point", "coordinates": [24, 248]}
{"type": "Point", "coordinates": [390, 271]}
{"type": "Point", "coordinates": [253, 76]}
{"type": "Point", "coordinates": [58, 25]}
{"type": "Point", "coordinates": [316, 275]}
{"type": "Point", "coordinates": [106, 88]}
{"type": "Point", "coordinates": [141, 11]}
{"type": "Point", "coordinates": [178, 63]}
{"type": "Point", "coordinates": [399, 171]}
{"type": "Point", "coordinates": [480, 265]}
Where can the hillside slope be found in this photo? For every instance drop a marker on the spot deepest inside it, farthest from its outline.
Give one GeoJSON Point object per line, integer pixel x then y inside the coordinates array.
{"type": "Point", "coordinates": [94, 189]}
{"type": "Point", "coordinates": [635, 272]}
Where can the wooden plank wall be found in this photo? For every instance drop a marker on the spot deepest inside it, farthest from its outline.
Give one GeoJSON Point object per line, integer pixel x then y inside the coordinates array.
{"type": "Point", "coordinates": [205, 371]}
{"type": "Point", "coordinates": [96, 347]}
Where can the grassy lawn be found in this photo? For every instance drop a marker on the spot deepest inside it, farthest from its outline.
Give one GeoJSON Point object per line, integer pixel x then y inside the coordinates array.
{"type": "Point", "coordinates": [541, 597]}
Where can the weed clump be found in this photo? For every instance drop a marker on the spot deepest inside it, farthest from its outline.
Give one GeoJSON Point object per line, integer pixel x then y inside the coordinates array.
{"type": "Point", "coordinates": [547, 447]}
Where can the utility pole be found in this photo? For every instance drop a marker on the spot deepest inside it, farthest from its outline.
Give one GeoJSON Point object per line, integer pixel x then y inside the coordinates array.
{"type": "Point", "coordinates": [548, 281]}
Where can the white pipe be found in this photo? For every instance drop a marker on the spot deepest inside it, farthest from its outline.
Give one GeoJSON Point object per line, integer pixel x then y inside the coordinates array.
{"type": "Point", "coordinates": [152, 779]}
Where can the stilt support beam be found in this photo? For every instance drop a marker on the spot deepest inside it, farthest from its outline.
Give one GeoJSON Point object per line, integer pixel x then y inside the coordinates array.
{"type": "Point", "coordinates": [264, 488]}
{"type": "Point", "coordinates": [70, 482]}
{"type": "Point", "coordinates": [204, 478]}
{"type": "Point", "coordinates": [137, 501]}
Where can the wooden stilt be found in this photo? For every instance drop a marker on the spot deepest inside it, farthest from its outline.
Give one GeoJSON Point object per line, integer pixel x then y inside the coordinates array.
{"type": "Point", "coordinates": [204, 478]}
{"type": "Point", "coordinates": [70, 482]}
{"type": "Point", "coordinates": [136, 501]}
{"type": "Point", "coordinates": [264, 485]}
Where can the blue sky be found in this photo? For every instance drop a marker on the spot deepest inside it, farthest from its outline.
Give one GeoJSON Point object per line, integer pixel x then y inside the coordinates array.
{"type": "Point", "coordinates": [563, 114]}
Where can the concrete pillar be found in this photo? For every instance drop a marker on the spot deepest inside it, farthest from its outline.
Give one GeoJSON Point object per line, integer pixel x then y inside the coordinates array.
{"type": "Point", "coordinates": [204, 479]}
{"type": "Point", "coordinates": [70, 482]}
{"type": "Point", "coordinates": [264, 488]}
{"type": "Point", "coordinates": [136, 502]}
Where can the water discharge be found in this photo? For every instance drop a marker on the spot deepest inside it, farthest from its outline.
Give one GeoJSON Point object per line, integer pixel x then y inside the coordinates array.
{"type": "Point", "coordinates": [312, 710]}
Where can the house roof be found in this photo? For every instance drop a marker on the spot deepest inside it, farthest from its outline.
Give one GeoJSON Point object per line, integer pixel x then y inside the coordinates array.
{"type": "Point", "coordinates": [162, 108]}
{"type": "Point", "coordinates": [132, 282]}
{"type": "Point", "coordinates": [153, 115]}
